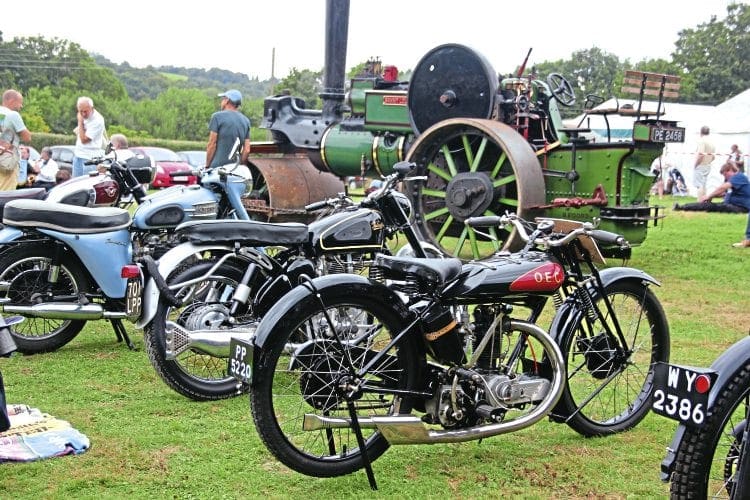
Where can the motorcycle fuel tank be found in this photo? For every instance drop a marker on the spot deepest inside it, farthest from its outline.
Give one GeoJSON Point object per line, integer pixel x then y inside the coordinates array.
{"type": "Point", "coordinates": [174, 206]}
{"type": "Point", "coordinates": [361, 229]}
{"type": "Point", "coordinates": [87, 191]}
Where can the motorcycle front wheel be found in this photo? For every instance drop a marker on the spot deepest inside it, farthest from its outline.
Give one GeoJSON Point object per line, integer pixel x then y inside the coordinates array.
{"type": "Point", "coordinates": [205, 305]}
{"type": "Point", "coordinates": [301, 395]}
{"type": "Point", "coordinates": [26, 270]}
{"type": "Point", "coordinates": [708, 458]}
{"type": "Point", "coordinates": [609, 385]}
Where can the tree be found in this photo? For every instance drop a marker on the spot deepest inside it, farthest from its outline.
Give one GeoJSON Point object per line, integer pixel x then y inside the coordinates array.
{"type": "Point", "coordinates": [714, 56]}
{"type": "Point", "coordinates": [302, 83]}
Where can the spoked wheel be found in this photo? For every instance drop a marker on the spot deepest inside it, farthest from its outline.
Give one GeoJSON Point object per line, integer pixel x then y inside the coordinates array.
{"type": "Point", "coordinates": [473, 167]}
{"type": "Point", "coordinates": [609, 385]}
{"type": "Point", "coordinates": [194, 372]}
{"type": "Point", "coordinates": [708, 463]}
{"type": "Point", "coordinates": [298, 397]}
{"type": "Point", "coordinates": [26, 269]}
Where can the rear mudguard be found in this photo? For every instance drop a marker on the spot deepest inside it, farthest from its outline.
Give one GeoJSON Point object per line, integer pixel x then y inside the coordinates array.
{"type": "Point", "coordinates": [9, 234]}
{"type": "Point", "coordinates": [168, 263]}
{"type": "Point", "coordinates": [726, 365]}
{"type": "Point", "coordinates": [285, 311]}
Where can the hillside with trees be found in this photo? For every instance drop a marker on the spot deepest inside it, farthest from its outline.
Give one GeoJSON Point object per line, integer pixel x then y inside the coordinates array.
{"type": "Point", "coordinates": [174, 103]}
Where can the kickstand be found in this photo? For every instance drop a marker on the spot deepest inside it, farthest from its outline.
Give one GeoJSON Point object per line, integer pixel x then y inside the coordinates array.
{"type": "Point", "coordinates": [122, 335]}
{"type": "Point", "coordinates": [361, 443]}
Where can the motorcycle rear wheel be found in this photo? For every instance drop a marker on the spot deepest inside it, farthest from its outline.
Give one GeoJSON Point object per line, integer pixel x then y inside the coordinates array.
{"type": "Point", "coordinates": [607, 393]}
{"type": "Point", "coordinates": [194, 374]}
{"type": "Point", "coordinates": [708, 457]}
{"type": "Point", "coordinates": [297, 384]}
{"type": "Point", "coordinates": [26, 267]}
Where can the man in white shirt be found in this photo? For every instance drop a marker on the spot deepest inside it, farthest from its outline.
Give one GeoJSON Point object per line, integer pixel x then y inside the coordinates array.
{"type": "Point", "coordinates": [89, 136]}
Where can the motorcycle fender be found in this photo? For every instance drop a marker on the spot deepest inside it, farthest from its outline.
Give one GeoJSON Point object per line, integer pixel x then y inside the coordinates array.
{"type": "Point", "coordinates": [168, 263]}
{"type": "Point", "coordinates": [612, 274]}
{"type": "Point", "coordinates": [726, 366]}
{"type": "Point", "coordinates": [8, 234]}
{"type": "Point", "coordinates": [272, 291]}
{"type": "Point", "coordinates": [284, 310]}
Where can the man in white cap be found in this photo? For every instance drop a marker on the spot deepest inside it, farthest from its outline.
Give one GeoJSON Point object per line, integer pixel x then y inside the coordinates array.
{"type": "Point", "coordinates": [225, 127]}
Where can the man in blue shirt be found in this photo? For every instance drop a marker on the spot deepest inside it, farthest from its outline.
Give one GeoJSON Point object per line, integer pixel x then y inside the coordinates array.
{"type": "Point", "coordinates": [735, 189]}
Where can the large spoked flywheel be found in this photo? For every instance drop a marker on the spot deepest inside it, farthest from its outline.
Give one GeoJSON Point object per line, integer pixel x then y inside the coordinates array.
{"type": "Point", "coordinates": [473, 167]}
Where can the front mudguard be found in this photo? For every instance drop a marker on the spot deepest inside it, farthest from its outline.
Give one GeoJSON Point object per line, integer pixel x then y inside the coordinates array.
{"type": "Point", "coordinates": [569, 315]}
{"type": "Point", "coordinates": [734, 359]}
{"type": "Point", "coordinates": [285, 312]}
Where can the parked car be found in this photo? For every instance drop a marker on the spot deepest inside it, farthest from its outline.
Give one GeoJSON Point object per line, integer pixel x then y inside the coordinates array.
{"type": "Point", "coordinates": [166, 161]}
{"type": "Point", "coordinates": [63, 155]}
{"type": "Point", "coordinates": [195, 158]}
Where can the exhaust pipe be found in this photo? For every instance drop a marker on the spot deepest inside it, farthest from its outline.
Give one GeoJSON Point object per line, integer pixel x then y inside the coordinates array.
{"type": "Point", "coordinates": [63, 310]}
{"type": "Point", "coordinates": [212, 342]}
{"type": "Point", "coordinates": [408, 429]}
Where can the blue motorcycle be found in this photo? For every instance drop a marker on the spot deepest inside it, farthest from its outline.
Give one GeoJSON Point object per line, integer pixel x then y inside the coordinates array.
{"type": "Point", "coordinates": [64, 265]}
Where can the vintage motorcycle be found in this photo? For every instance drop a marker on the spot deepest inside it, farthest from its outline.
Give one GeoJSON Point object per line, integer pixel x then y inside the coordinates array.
{"type": "Point", "coordinates": [61, 265]}
{"type": "Point", "coordinates": [246, 267]}
{"type": "Point", "coordinates": [708, 456]}
{"type": "Point", "coordinates": [339, 367]}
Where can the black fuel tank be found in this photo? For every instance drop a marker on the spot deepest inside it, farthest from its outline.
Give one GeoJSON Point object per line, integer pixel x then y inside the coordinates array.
{"type": "Point", "coordinates": [360, 229]}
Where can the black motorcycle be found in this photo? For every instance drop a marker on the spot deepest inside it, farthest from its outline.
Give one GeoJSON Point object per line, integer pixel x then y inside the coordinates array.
{"type": "Point", "coordinates": [343, 366]}
{"type": "Point", "coordinates": [246, 267]}
{"type": "Point", "coordinates": [708, 456]}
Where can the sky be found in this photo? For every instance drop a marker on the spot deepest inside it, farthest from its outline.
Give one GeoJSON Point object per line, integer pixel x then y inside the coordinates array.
{"type": "Point", "coordinates": [243, 35]}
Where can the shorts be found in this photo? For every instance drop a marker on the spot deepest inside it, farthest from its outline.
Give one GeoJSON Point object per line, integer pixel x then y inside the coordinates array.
{"type": "Point", "coordinates": [700, 175]}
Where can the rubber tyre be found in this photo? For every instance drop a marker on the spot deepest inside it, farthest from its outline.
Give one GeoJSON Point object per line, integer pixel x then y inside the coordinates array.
{"type": "Point", "coordinates": [195, 375]}
{"type": "Point", "coordinates": [635, 306]}
{"type": "Point", "coordinates": [38, 335]}
{"type": "Point", "coordinates": [278, 416]}
{"type": "Point", "coordinates": [706, 453]}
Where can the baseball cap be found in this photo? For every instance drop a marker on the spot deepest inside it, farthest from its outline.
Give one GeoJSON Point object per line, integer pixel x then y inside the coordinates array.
{"type": "Point", "coordinates": [233, 95]}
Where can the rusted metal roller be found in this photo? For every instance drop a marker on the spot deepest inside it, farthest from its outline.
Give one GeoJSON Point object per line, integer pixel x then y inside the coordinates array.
{"type": "Point", "coordinates": [283, 185]}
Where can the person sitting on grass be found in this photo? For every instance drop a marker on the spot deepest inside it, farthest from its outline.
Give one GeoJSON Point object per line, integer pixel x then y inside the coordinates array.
{"type": "Point", "coordinates": [735, 189]}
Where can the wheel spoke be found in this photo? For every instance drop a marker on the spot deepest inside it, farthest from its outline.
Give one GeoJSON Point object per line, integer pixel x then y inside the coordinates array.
{"type": "Point", "coordinates": [504, 181]}
{"type": "Point", "coordinates": [436, 213]}
{"type": "Point", "coordinates": [449, 160]}
{"type": "Point", "coordinates": [480, 154]}
{"type": "Point", "coordinates": [433, 192]}
{"type": "Point", "coordinates": [439, 172]}
{"type": "Point", "coordinates": [444, 228]}
{"type": "Point", "coordinates": [498, 165]}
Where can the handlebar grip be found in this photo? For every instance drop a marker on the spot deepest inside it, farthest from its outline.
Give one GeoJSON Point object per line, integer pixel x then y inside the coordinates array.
{"type": "Point", "coordinates": [93, 161]}
{"type": "Point", "coordinates": [485, 221]}
{"type": "Point", "coordinates": [316, 205]}
{"type": "Point", "coordinates": [180, 173]}
{"type": "Point", "coordinates": [608, 237]}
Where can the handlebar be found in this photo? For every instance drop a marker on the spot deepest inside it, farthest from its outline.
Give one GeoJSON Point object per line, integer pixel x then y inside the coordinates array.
{"type": "Point", "coordinates": [340, 201]}
{"type": "Point", "coordinates": [549, 240]}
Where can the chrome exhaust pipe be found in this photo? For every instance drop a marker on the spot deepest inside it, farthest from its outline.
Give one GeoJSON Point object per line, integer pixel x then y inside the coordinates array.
{"type": "Point", "coordinates": [212, 342]}
{"type": "Point", "coordinates": [62, 310]}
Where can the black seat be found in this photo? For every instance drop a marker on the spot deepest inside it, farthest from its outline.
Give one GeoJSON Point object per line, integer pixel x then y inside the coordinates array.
{"type": "Point", "coordinates": [64, 218]}
{"type": "Point", "coordinates": [21, 194]}
{"type": "Point", "coordinates": [435, 271]}
{"type": "Point", "coordinates": [245, 232]}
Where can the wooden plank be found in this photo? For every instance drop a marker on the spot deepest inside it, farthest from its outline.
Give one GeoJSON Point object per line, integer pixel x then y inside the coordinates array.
{"type": "Point", "coordinates": [648, 91]}
{"type": "Point", "coordinates": [651, 76]}
{"type": "Point", "coordinates": [651, 83]}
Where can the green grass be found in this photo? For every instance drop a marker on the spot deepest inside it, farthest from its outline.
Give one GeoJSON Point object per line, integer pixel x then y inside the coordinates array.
{"type": "Point", "coordinates": [149, 442]}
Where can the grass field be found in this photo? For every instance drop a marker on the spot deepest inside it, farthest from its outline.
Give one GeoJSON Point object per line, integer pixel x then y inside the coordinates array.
{"type": "Point", "coordinates": [149, 442]}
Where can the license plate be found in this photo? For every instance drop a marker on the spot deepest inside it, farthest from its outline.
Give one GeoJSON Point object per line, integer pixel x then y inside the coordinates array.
{"type": "Point", "coordinates": [240, 362]}
{"type": "Point", "coordinates": [681, 392]}
{"type": "Point", "coordinates": [180, 178]}
{"type": "Point", "coordinates": [134, 298]}
{"type": "Point", "coordinates": [667, 134]}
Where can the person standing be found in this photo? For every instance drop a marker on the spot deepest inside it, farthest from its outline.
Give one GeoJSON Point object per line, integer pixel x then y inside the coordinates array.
{"type": "Point", "coordinates": [225, 127]}
{"type": "Point", "coordinates": [703, 158]}
{"type": "Point", "coordinates": [89, 136]}
{"type": "Point", "coordinates": [45, 169]}
{"type": "Point", "coordinates": [12, 131]}
{"type": "Point", "coordinates": [24, 165]}
{"type": "Point", "coordinates": [736, 157]}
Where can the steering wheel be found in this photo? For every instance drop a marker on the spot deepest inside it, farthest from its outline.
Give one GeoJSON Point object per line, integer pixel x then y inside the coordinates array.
{"type": "Point", "coordinates": [561, 89]}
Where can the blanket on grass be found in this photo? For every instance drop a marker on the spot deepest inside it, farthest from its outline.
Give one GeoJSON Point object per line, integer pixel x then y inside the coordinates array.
{"type": "Point", "coordinates": [34, 435]}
